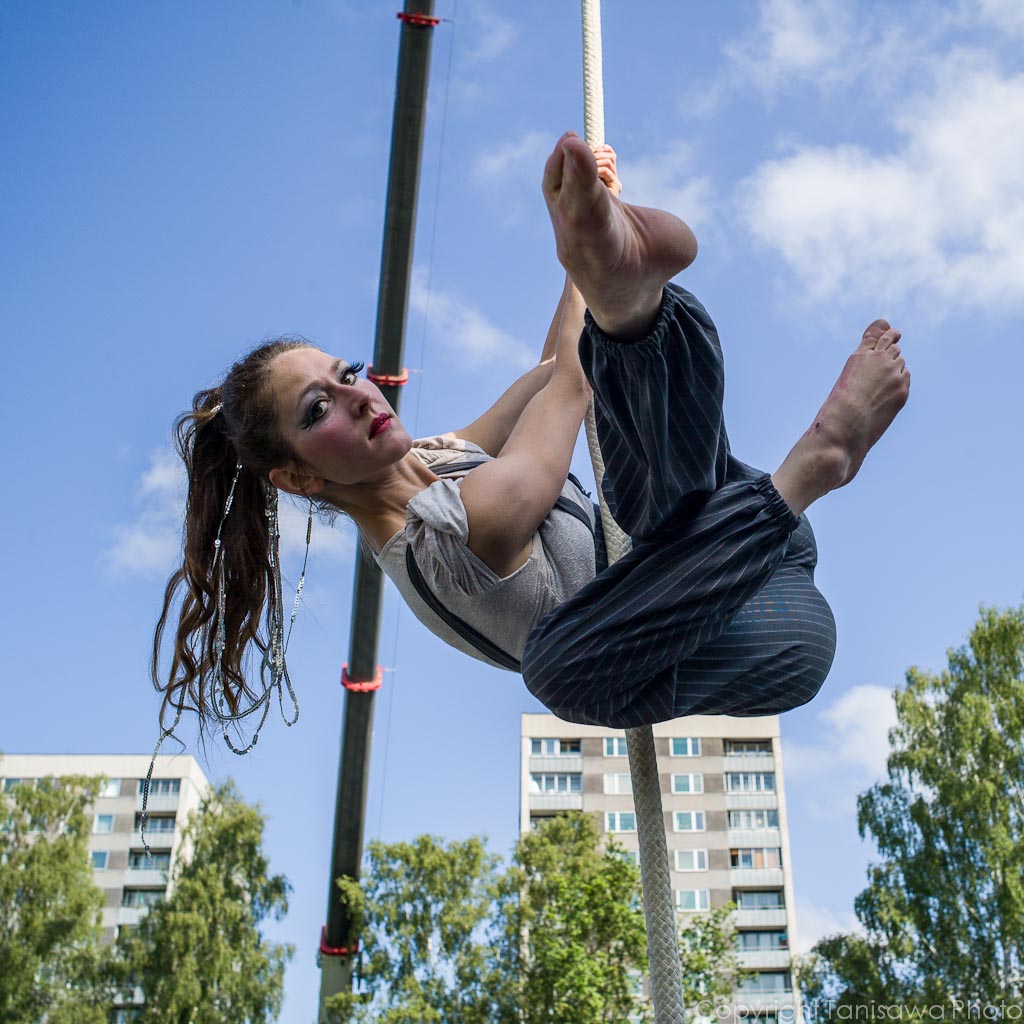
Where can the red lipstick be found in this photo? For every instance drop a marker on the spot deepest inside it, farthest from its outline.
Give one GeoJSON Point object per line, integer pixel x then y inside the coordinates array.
{"type": "Point", "coordinates": [379, 423]}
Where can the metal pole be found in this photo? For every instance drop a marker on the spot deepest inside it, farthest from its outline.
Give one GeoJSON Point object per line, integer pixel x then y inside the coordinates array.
{"type": "Point", "coordinates": [362, 676]}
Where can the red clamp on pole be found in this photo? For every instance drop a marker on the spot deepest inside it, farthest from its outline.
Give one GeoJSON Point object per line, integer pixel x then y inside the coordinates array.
{"type": "Point", "coordinates": [393, 379]}
{"type": "Point", "coordinates": [420, 20]}
{"type": "Point", "coordinates": [361, 685]}
{"type": "Point", "coordinates": [326, 950]}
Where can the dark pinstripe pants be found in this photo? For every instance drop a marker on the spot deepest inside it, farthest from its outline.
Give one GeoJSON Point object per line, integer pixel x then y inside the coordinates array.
{"type": "Point", "coordinates": [714, 610]}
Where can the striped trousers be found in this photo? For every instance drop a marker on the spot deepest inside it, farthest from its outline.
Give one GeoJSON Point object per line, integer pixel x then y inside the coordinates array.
{"type": "Point", "coordinates": [714, 610]}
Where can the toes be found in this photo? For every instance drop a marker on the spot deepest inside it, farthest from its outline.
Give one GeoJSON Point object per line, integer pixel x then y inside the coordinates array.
{"type": "Point", "coordinates": [554, 169]}
{"type": "Point", "coordinates": [888, 339]}
{"type": "Point", "coordinates": [874, 332]}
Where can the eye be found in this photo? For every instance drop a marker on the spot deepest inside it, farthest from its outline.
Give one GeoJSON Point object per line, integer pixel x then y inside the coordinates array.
{"type": "Point", "coordinates": [350, 374]}
{"type": "Point", "coordinates": [315, 412]}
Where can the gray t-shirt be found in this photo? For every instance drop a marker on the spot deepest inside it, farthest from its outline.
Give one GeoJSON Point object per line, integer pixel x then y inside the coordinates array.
{"type": "Point", "coordinates": [504, 610]}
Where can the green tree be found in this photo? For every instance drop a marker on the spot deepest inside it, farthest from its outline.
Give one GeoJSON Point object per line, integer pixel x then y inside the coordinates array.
{"type": "Point", "coordinates": [51, 961]}
{"type": "Point", "coordinates": [420, 913]}
{"type": "Point", "coordinates": [199, 956]}
{"type": "Point", "coordinates": [556, 938]}
{"type": "Point", "coordinates": [710, 960]}
{"type": "Point", "coordinates": [943, 912]}
{"type": "Point", "coordinates": [572, 926]}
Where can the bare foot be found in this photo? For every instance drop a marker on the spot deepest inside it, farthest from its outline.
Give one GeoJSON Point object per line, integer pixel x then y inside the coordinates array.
{"type": "Point", "coordinates": [871, 390]}
{"type": "Point", "coordinates": [619, 256]}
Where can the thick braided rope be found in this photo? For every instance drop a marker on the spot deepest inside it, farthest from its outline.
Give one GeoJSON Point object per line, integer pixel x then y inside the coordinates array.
{"type": "Point", "coordinates": [659, 906]}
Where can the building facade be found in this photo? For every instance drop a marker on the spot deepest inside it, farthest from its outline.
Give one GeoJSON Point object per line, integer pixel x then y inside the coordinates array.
{"type": "Point", "coordinates": [131, 881]}
{"type": "Point", "coordinates": [725, 824]}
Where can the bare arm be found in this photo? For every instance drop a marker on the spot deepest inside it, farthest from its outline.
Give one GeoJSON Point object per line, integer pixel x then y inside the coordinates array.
{"type": "Point", "coordinates": [491, 430]}
{"type": "Point", "coordinates": [506, 500]}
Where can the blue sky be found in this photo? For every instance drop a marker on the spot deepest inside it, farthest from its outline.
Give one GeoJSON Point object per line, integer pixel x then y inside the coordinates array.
{"type": "Point", "coordinates": [181, 181]}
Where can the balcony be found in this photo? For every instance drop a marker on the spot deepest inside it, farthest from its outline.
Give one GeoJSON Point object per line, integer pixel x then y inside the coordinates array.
{"type": "Point", "coordinates": [148, 878]}
{"type": "Point", "coordinates": [753, 837]}
{"type": "Point", "coordinates": [161, 840]}
{"type": "Point", "coordinates": [158, 802]}
{"type": "Point", "coordinates": [556, 801]}
{"type": "Point", "coordinates": [768, 917]}
{"type": "Point", "coordinates": [750, 801]}
{"type": "Point", "coordinates": [763, 1002]}
{"type": "Point", "coordinates": [757, 877]}
{"type": "Point", "coordinates": [765, 959]}
{"type": "Point", "coordinates": [556, 764]}
{"type": "Point", "coordinates": [130, 915]}
{"type": "Point", "coordinates": [748, 763]}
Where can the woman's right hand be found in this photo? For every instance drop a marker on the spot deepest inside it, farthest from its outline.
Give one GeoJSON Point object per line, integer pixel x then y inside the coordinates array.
{"type": "Point", "coordinates": [606, 167]}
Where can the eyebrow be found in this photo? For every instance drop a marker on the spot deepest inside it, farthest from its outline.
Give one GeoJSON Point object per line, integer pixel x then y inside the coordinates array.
{"type": "Point", "coordinates": [314, 385]}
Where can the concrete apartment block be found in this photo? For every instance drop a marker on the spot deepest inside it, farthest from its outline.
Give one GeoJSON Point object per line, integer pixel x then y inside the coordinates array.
{"type": "Point", "coordinates": [725, 824]}
{"type": "Point", "coordinates": [130, 881]}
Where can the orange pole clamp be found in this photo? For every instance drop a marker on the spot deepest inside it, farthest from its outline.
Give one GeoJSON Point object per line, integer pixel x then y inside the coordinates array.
{"type": "Point", "coordinates": [420, 20]}
{"type": "Point", "coordinates": [326, 950]}
{"type": "Point", "coordinates": [361, 685]}
{"type": "Point", "coordinates": [383, 379]}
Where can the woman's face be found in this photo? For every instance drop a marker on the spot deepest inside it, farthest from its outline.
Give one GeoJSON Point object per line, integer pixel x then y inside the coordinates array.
{"type": "Point", "coordinates": [339, 424]}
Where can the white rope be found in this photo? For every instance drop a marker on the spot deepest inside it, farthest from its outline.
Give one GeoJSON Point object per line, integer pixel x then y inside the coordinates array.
{"type": "Point", "coordinates": [659, 905]}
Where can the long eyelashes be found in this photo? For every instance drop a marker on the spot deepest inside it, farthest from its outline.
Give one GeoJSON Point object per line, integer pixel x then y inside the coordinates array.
{"type": "Point", "coordinates": [316, 409]}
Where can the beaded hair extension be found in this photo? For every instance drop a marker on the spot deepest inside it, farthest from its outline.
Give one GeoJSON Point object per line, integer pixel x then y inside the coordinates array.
{"type": "Point", "coordinates": [274, 673]}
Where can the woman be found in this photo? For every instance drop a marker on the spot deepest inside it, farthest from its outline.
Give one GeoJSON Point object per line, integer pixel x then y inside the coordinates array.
{"type": "Point", "coordinates": [713, 611]}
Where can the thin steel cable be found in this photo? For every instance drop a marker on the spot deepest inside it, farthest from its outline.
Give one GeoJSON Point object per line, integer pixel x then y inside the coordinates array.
{"type": "Point", "coordinates": [659, 906]}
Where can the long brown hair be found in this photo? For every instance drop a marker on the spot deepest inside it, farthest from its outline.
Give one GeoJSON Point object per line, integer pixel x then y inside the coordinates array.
{"type": "Point", "coordinates": [235, 424]}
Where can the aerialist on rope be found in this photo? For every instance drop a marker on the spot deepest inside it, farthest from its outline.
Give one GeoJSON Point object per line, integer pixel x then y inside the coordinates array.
{"type": "Point", "coordinates": [714, 611]}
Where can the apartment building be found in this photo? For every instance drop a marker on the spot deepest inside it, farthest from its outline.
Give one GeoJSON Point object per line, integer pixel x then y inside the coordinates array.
{"type": "Point", "coordinates": [725, 824]}
{"type": "Point", "coordinates": [131, 881]}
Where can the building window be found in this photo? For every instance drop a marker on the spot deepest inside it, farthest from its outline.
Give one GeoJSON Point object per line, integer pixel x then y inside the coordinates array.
{"type": "Point", "coordinates": [139, 860]}
{"type": "Point", "coordinates": [756, 857]}
{"type": "Point", "coordinates": [9, 784]}
{"type": "Point", "coordinates": [141, 897]}
{"type": "Point", "coordinates": [758, 899]}
{"type": "Point", "coordinates": [103, 823]}
{"type": "Point", "coordinates": [112, 787]}
{"type": "Point", "coordinates": [619, 821]}
{"type": "Point", "coordinates": [99, 859]}
{"type": "Point", "coordinates": [686, 746]}
{"type": "Point", "coordinates": [691, 860]}
{"type": "Point", "coordinates": [692, 899]}
{"type": "Point", "coordinates": [749, 748]}
{"type": "Point", "coordinates": [688, 821]}
{"type": "Point", "coordinates": [618, 783]}
{"type": "Point", "coordinates": [754, 820]}
{"type": "Point", "coordinates": [160, 787]}
{"type": "Point", "coordinates": [156, 823]}
{"type": "Point", "coordinates": [763, 982]}
{"type": "Point", "coordinates": [750, 782]}
{"type": "Point", "coordinates": [688, 782]}
{"type": "Point", "coordinates": [553, 747]}
{"type": "Point", "coordinates": [633, 856]}
{"type": "Point", "coordinates": [615, 746]}
{"type": "Point", "coordinates": [762, 940]}
{"type": "Point", "coordinates": [554, 783]}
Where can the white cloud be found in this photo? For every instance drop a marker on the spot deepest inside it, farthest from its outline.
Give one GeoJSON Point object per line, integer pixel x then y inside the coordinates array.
{"type": "Point", "coordinates": [666, 181]}
{"type": "Point", "coordinates": [491, 35]}
{"type": "Point", "coordinates": [1007, 15]}
{"type": "Point", "coordinates": [463, 328]}
{"type": "Point", "coordinates": [849, 755]}
{"type": "Point", "coordinates": [150, 543]}
{"type": "Point", "coordinates": [814, 921]}
{"type": "Point", "coordinates": [939, 217]}
{"type": "Point", "coordinates": [795, 39]}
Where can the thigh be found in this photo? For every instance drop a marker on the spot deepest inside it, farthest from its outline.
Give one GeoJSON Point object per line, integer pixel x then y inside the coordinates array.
{"type": "Point", "coordinates": [658, 409]}
{"type": "Point", "coordinates": [773, 657]}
